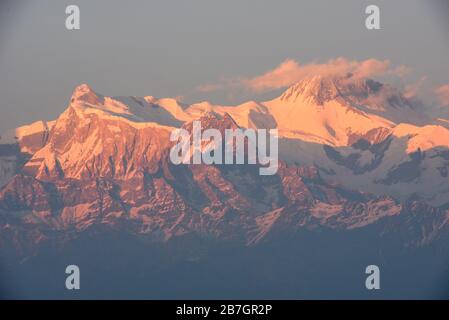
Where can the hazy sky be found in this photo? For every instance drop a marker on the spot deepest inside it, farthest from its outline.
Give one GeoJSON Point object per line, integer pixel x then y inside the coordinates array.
{"type": "Point", "coordinates": [169, 48]}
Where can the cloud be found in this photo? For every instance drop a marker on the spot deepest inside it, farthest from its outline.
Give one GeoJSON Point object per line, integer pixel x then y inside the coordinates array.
{"type": "Point", "coordinates": [442, 93]}
{"type": "Point", "coordinates": [290, 72]}
{"type": "Point", "coordinates": [413, 90]}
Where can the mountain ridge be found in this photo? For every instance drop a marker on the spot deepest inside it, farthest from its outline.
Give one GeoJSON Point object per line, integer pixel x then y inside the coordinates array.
{"type": "Point", "coordinates": [105, 161]}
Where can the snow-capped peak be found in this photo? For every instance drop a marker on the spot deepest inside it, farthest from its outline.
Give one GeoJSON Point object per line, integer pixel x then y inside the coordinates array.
{"type": "Point", "coordinates": [359, 94]}
{"type": "Point", "coordinates": [317, 89]}
{"type": "Point", "coordinates": [84, 94]}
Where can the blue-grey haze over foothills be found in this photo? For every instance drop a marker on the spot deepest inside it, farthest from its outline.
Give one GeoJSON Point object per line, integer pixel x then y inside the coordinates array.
{"type": "Point", "coordinates": [179, 48]}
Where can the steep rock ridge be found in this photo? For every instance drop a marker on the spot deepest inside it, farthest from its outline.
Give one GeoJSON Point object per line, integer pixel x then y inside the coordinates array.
{"type": "Point", "coordinates": [88, 141]}
{"type": "Point", "coordinates": [18, 145]}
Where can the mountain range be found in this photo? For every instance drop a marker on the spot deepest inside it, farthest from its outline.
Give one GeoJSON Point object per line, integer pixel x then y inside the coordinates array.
{"type": "Point", "coordinates": [356, 158]}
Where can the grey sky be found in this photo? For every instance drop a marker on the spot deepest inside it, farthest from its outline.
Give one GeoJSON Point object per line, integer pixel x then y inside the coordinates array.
{"type": "Point", "coordinates": [168, 48]}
